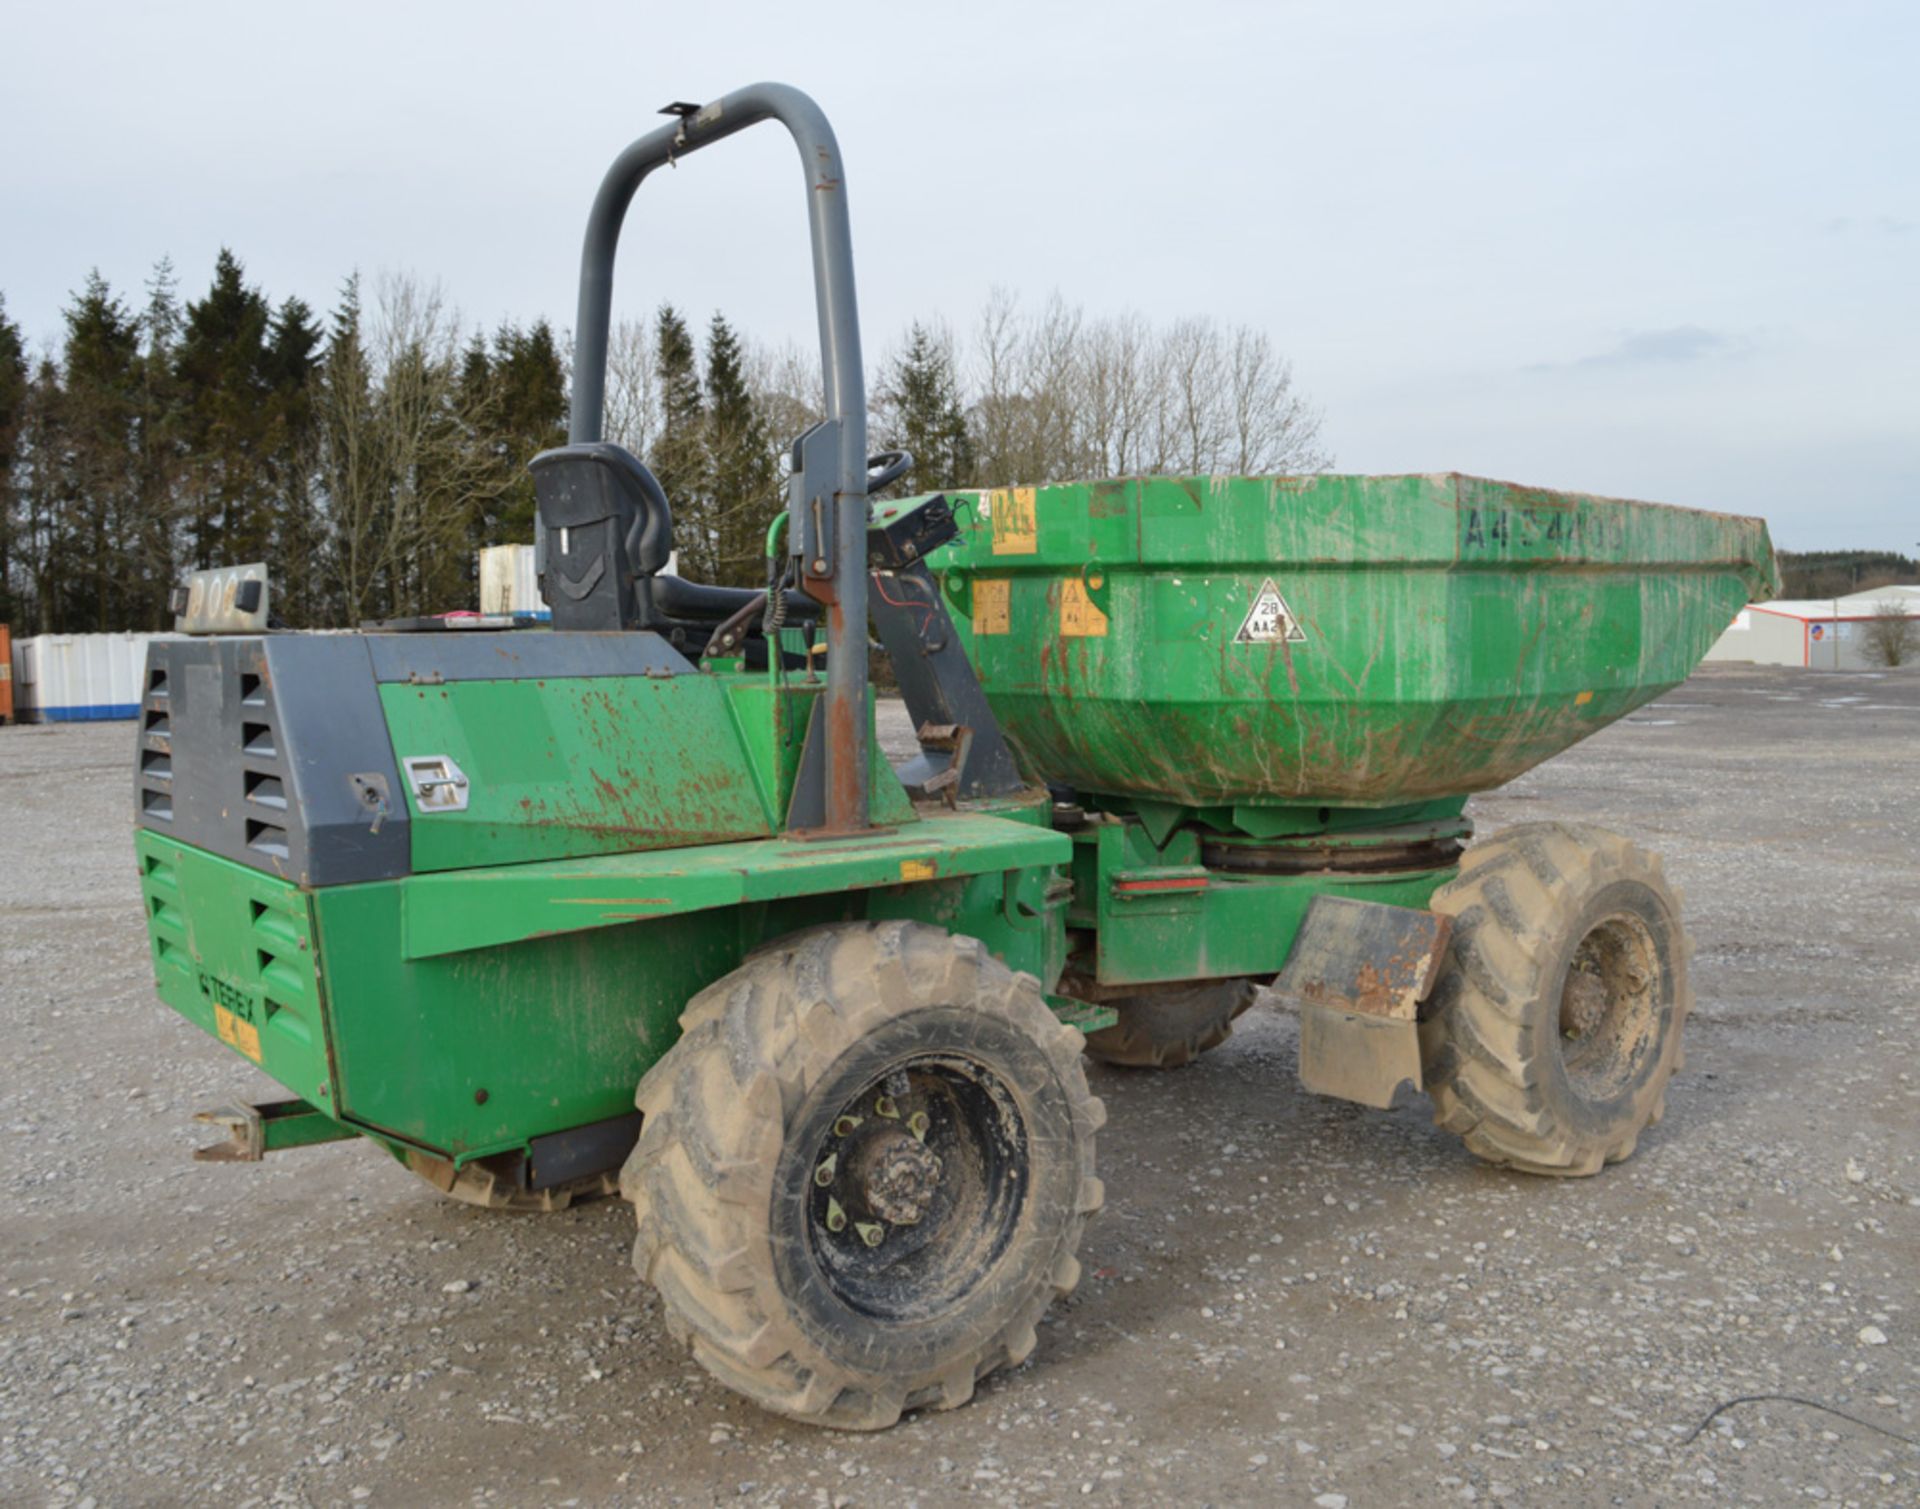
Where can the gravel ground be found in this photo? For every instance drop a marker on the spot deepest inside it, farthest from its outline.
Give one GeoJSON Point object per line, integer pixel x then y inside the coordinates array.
{"type": "Point", "coordinates": [1288, 1299]}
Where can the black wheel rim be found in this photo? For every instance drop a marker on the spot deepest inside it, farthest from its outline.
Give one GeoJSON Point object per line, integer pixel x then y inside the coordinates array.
{"type": "Point", "coordinates": [916, 1187]}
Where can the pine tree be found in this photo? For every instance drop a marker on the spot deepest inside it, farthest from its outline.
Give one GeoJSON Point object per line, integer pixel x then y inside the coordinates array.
{"type": "Point", "coordinates": [476, 398]}
{"type": "Point", "coordinates": [740, 460]}
{"type": "Point", "coordinates": [921, 413]}
{"type": "Point", "coordinates": [13, 404]}
{"type": "Point", "coordinates": [99, 407]}
{"type": "Point", "coordinates": [512, 394]}
{"type": "Point", "coordinates": [351, 472]}
{"type": "Point", "coordinates": [227, 419]}
{"type": "Point", "coordinates": [528, 384]}
{"type": "Point", "coordinates": [296, 556]}
{"type": "Point", "coordinates": [157, 453]}
{"type": "Point", "coordinates": [475, 391]}
{"type": "Point", "coordinates": [679, 455]}
{"type": "Point", "coordinates": [39, 544]}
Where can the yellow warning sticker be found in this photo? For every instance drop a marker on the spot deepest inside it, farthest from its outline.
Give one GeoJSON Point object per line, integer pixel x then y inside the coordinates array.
{"type": "Point", "coordinates": [992, 608]}
{"type": "Point", "coordinates": [916, 869]}
{"type": "Point", "coordinates": [1016, 531]}
{"type": "Point", "coordinates": [1078, 615]}
{"type": "Point", "coordinates": [1583, 699]}
{"type": "Point", "coordinates": [236, 1033]}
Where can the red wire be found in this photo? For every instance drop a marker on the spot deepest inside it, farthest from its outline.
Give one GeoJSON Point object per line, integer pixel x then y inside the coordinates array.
{"type": "Point", "coordinates": [926, 609]}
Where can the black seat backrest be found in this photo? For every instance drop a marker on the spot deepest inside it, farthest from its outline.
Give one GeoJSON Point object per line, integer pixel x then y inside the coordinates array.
{"type": "Point", "coordinates": [608, 527]}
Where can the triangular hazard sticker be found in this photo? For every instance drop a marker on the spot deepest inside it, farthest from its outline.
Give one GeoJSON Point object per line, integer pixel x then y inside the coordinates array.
{"type": "Point", "coordinates": [1269, 620]}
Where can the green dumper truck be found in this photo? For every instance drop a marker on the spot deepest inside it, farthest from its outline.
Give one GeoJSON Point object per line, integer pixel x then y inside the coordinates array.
{"type": "Point", "coordinates": [634, 904]}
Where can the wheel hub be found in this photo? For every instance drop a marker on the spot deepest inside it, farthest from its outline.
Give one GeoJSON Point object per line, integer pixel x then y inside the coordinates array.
{"type": "Point", "coordinates": [915, 1186]}
{"type": "Point", "coordinates": [1583, 1005]}
{"type": "Point", "coordinates": [897, 1177]}
{"type": "Point", "coordinates": [1609, 1007]}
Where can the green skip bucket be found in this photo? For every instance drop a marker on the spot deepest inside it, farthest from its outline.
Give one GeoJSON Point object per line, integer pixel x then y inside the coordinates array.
{"type": "Point", "coordinates": [1356, 642]}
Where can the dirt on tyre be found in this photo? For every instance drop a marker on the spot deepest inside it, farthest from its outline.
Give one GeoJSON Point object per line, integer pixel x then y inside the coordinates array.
{"type": "Point", "coordinates": [1170, 1028]}
{"type": "Point", "coordinates": [863, 1172]}
{"type": "Point", "coordinates": [1555, 1023]}
{"type": "Point", "coordinates": [480, 1184]}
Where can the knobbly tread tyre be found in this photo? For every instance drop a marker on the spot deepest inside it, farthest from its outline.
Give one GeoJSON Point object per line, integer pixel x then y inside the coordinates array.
{"type": "Point", "coordinates": [736, 1091]}
{"type": "Point", "coordinates": [1491, 1036]}
{"type": "Point", "coordinates": [479, 1186]}
{"type": "Point", "coordinates": [1171, 1027]}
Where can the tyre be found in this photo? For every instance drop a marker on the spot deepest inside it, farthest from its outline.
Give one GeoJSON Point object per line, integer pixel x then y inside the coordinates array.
{"type": "Point", "coordinates": [1171, 1027]}
{"type": "Point", "coordinates": [1555, 1023]}
{"type": "Point", "coordinates": [863, 1172]}
{"type": "Point", "coordinates": [477, 1184]}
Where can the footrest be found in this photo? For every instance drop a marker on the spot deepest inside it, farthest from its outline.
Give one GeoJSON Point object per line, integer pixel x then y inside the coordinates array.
{"type": "Point", "coordinates": [1088, 1017]}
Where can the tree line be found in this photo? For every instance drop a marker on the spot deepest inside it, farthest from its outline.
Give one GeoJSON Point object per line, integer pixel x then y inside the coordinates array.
{"type": "Point", "coordinates": [1840, 573]}
{"type": "Point", "coordinates": [368, 453]}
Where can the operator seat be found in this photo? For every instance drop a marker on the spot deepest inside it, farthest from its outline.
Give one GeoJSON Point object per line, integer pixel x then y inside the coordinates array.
{"type": "Point", "coordinates": [609, 536]}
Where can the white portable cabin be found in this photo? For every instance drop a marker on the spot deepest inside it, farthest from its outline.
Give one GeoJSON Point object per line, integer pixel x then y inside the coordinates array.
{"type": "Point", "coordinates": [509, 583]}
{"type": "Point", "coordinates": [79, 678]}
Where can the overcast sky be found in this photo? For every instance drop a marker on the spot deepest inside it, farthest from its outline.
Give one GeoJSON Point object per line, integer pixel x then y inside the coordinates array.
{"type": "Point", "coordinates": [1662, 250]}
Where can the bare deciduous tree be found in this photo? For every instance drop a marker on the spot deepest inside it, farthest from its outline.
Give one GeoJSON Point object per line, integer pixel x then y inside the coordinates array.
{"type": "Point", "coordinates": [1124, 395]}
{"type": "Point", "coordinates": [1050, 394]}
{"type": "Point", "coordinates": [1057, 395]}
{"type": "Point", "coordinates": [633, 411]}
{"type": "Point", "coordinates": [786, 382]}
{"type": "Point", "coordinates": [398, 459]}
{"type": "Point", "coordinates": [1893, 633]}
{"type": "Point", "coordinates": [1274, 428]}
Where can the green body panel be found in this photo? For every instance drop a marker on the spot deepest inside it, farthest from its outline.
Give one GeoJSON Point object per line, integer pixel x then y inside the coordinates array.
{"type": "Point", "coordinates": [1018, 913]}
{"type": "Point", "coordinates": [1452, 632]}
{"type": "Point", "coordinates": [467, 1012]}
{"type": "Point", "coordinates": [466, 909]}
{"type": "Point", "coordinates": [578, 766]}
{"type": "Point", "coordinates": [771, 715]}
{"type": "Point", "coordinates": [556, 1032]}
{"type": "Point", "coordinates": [1188, 922]}
{"type": "Point", "coordinates": [770, 721]}
{"type": "Point", "coordinates": [233, 951]}
{"type": "Point", "coordinates": [609, 765]}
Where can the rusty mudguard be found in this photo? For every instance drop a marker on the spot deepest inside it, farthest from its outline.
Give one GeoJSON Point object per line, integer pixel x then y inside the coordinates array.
{"type": "Point", "coordinates": [1358, 973]}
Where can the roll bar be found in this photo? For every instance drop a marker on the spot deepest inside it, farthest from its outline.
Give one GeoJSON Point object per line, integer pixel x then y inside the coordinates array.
{"type": "Point", "coordinates": [828, 523]}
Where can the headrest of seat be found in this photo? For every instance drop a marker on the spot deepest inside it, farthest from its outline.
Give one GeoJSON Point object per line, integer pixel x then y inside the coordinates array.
{"type": "Point", "coordinates": [578, 485]}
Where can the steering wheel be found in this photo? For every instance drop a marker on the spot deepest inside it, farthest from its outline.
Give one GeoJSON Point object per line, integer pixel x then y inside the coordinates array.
{"type": "Point", "coordinates": [886, 469]}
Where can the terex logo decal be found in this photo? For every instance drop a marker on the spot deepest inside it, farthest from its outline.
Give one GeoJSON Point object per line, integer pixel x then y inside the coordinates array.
{"type": "Point", "coordinates": [233, 1015]}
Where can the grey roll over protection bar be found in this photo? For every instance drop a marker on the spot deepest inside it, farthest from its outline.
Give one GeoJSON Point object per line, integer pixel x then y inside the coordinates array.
{"type": "Point", "coordinates": [827, 526]}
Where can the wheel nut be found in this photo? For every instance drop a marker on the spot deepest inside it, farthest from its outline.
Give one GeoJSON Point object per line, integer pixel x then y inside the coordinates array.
{"type": "Point", "coordinates": [845, 1125]}
{"type": "Point", "coordinates": [836, 1217]}
{"type": "Point", "coordinates": [871, 1232]}
{"type": "Point", "coordinates": [917, 1124]}
{"type": "Point", "coordinates": [823, 1175]}
{"type": "Point", "coordinates": [884, 1106]}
